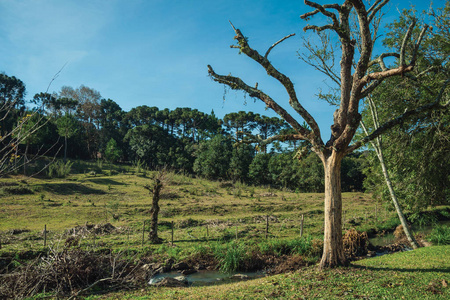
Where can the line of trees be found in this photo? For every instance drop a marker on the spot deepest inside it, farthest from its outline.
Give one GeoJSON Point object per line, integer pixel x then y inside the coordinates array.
{"type": "Point", "coordinates": [86, 126]}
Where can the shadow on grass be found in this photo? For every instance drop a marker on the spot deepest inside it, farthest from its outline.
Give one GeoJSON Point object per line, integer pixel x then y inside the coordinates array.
{"type": "Point", "coordinates": [424, 270]}
{"type": "Point", "coordinates": [70, 189]}
{"type": "Point", "coordinates": [105, 181]}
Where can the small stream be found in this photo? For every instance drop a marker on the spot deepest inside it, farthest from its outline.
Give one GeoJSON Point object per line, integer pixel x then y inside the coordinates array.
{"type": "Point", "coordinates": [205, 277]}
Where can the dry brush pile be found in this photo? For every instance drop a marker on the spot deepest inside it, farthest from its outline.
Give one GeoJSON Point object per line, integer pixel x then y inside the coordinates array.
{"type": "Point", "coordinates": [69, 273]}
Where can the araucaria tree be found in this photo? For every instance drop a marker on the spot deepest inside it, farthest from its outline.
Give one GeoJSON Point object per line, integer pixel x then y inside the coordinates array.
{"type": "Point", "coordinates": [360, 74]}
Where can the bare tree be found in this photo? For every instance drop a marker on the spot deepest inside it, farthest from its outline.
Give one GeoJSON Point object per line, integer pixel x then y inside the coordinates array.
{"type": "Point", "coordinates": [160, 180]}
{"type": "Point", "coordinates": [360, 73]}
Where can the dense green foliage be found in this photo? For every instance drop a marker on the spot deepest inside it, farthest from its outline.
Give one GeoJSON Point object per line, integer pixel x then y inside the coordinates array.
{"type": "Point", "coordinates": [85, 126]}
{"type": "Point", "coordinates": [416, 152]}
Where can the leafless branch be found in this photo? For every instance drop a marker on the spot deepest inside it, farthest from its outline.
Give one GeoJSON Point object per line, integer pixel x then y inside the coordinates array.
{"type": "Point", "coordinates": [237, 83]}
{"type": "Point", "coordinates": [322, 9]}
{"type": "Point", "coordinates": [372, 11]}
{"type": "Point", "coordinates": [55, 76]}
{"type": "Point", "coordinates": [318, 28]}
{"type": "Point", "coordinates": [321, 57]}
{"type": "Point", "coordinates": [405, 41]}
{"type": "Point", "coordinates": [417, 45]}
{"type": "Point", "coordinates": [271, 47]}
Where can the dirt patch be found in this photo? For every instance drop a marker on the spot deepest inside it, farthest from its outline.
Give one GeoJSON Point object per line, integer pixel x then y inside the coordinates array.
{"type": "Point", "coordinates": [17, 231]}
{"type": "Point", "coordinates": [267, 195]}
{"type": "Point", "coordinates": [286, 263]}
{"type": "Point", "coordinates": [188, 223]}
{"type": "Point", "coordinates": [263, 219]}
{"type": "Point", "coordinates": [203, 261]}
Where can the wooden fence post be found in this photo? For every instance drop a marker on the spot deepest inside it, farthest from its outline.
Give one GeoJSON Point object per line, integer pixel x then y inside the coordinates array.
{"type": "Point", "coordinates": [301, 225]}
{"type": "Point", "coordinates": [236, 231]}
{"type": "Point", "coordinates": [172, 235]}
{"type": "Point", "coordinates": [45, 235]}
{"type": "Point", "coordinates": [143, 232]}
{"type": "Point", "coordinates": [376, 213]}
{"type": "Point", "coordinates": [267, 226]}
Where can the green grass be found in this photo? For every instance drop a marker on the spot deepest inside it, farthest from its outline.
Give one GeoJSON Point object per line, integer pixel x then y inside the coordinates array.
{"type": "Point", "coordinates": [222, 219]}
{"type": "Point", "coordinates": [61, 204]}
{"type": "Point", "coordinates": [201, 210]}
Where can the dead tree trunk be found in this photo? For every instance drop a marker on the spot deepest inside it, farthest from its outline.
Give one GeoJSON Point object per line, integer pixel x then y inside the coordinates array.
{"type": "Point", "coordinates": [333, 248]}
{"type": "Point", "coordinates": [154, 211]}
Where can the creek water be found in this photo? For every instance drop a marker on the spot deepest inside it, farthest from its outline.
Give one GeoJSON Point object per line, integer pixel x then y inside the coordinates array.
{"type": "Point", "coordinates": [205, 277]}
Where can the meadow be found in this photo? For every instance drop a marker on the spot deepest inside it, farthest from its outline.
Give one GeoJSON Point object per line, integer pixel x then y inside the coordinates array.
{"type": "Point", "coordinates": [106, 210]}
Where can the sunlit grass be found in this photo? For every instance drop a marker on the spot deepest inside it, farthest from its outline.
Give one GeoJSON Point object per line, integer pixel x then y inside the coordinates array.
{"type": "Point", "coordinates": [217, 210]}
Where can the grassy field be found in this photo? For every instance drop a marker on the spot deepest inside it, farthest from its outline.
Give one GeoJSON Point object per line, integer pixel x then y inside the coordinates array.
{"type": "Point", "coordinates": [200, 209]}
{"type": "Point", "coordinates": [210, 217]}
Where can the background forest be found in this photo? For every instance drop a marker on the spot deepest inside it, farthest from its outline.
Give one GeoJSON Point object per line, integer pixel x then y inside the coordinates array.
{"type": "Point", "coordinates": [77, 123]}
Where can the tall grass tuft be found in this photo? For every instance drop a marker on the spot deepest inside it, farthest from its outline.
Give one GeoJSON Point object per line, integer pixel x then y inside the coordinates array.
{"type": "Point", "coordinates": [139, 166]}
{"type": "Point", "coordinates": [231, 256]}
{"type": "Point", "coordinates": [59, 169]}
{"type": "Point", "coordinates": [303, 246]}
{"type": "Point", "coordinates": [440, 235]}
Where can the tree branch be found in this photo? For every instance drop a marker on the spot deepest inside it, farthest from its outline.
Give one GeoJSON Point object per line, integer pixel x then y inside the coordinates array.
{"type": "Point", "coordinates": [237, 83]}
{"type": "Point", "coordinates": [271, 47]}
{"type": "Point", "coordinates": [380, 60]}
{"type": "Point", "coordinates": [400, 119]}
{"type": "Point", "coordinates": [322, 9]}
{"type": "Point", "coordinates": [405, 41]}
{"type": "Point", "coordinates": [372, 11]}
{"type": "Point", "coordinates": [318, 28]}
{"type": "Point", "coordinates": [418, 42]}
{"type": "Point", "coordinates": [321, 58]}
{"type": "Point", "coordinates": [283, 79]}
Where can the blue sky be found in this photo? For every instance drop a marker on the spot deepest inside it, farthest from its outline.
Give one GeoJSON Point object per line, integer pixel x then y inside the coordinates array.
{"type": "Point", "coordinates": [155, 52]}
